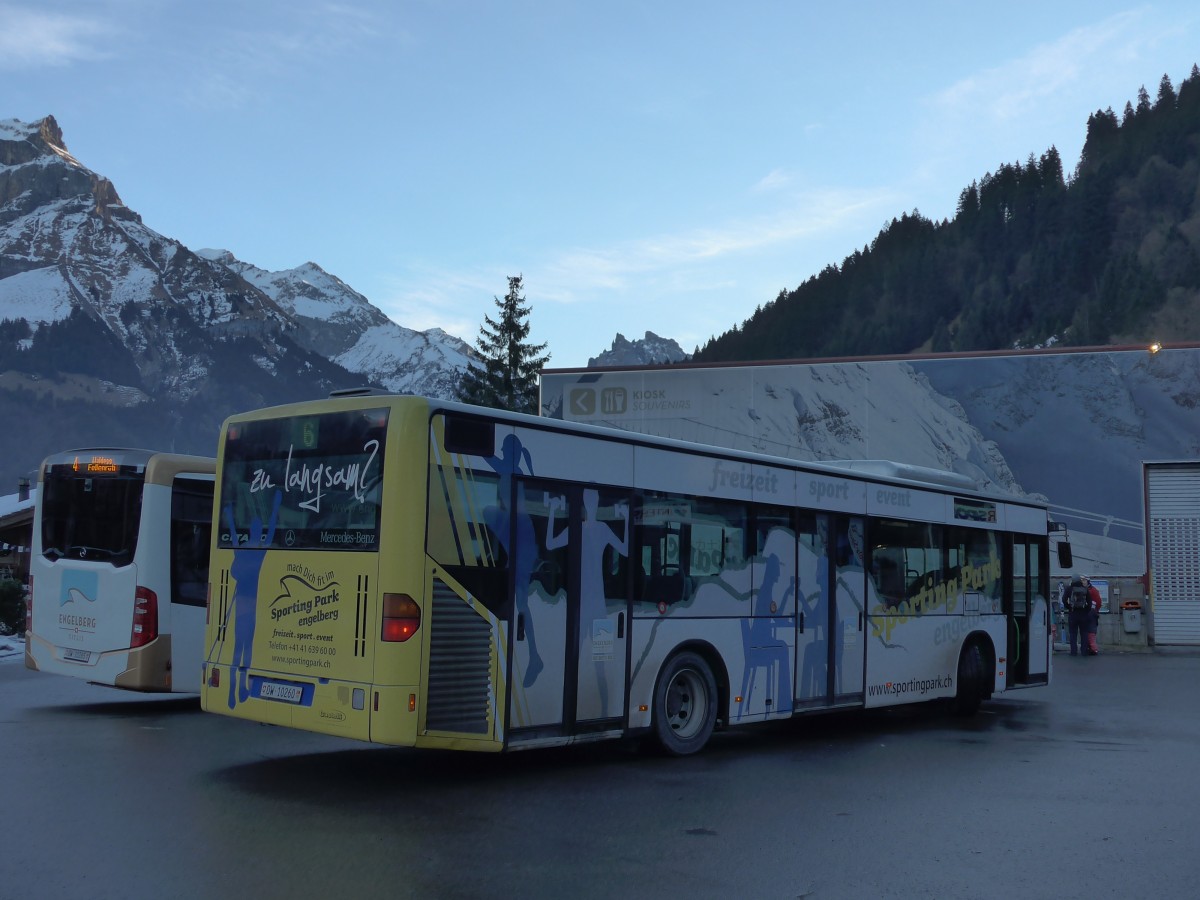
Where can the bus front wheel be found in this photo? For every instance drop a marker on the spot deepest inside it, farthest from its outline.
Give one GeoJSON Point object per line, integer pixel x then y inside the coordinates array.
{"type": "Point", "coordinates": [685, 704]}
{"type": "Point", "coordinates": [971, 688]}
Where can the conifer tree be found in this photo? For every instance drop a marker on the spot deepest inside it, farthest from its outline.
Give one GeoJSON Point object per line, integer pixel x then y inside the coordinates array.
{"type": "Point", "coordinates": [1166, 95]}
{"type": "Point", "coordinates": [508, 377]}
{"type": "Point", "coordinates": [1143, 104]}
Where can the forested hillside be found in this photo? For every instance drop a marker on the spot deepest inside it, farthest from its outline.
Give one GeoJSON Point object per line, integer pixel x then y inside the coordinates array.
{"type": "Point", "coordinates": [1109, 254]}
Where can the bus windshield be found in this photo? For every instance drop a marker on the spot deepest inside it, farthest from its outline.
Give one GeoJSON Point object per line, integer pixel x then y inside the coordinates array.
{"type": "Point", "coordinates": [91, 515]}
{"type": "Point", "coordinates": [327, 468]}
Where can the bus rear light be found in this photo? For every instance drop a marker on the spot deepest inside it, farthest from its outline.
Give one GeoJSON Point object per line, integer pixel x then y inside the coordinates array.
{"type": "Point", "coordinates": [145, 617]}
{"type": "Point", "coordinates": [214, 677]}
{"type": "Point", "coordinates": [401, 618]}
{"type": "Point", "coordinates": [29, 607]}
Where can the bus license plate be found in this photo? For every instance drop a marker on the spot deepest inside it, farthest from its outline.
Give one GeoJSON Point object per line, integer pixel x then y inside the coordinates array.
{"type": "Point", "coordinates": [77, 655]}
{"type": "Point", "coordinates": [288, 693]}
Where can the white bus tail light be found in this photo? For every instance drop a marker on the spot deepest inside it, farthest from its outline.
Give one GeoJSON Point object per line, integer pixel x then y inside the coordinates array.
{"type": "Point", "coordinates": [401, 618]}
{"type": "Point", "coordinates": [145, 617]}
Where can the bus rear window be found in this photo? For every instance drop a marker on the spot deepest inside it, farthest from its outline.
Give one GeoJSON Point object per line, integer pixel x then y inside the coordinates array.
{"type": "Point", "coordinates": [304, 483]}
{"type": "Point", "coordinates": [92, 517]}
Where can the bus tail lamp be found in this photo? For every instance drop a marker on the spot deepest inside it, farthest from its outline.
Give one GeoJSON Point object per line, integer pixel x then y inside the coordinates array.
{"type": "Point", "coordinates": [401, 618]}
{"type": "Point", "coordinates": [29, 607]}
{"type": "Point", "coordinates": [145, 617]}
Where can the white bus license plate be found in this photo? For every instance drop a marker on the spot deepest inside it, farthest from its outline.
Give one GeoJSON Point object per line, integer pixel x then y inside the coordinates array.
{"type": "Point", "coordinates": [288, 693]}
{"type": "Point", "coordinates": [77, 655]}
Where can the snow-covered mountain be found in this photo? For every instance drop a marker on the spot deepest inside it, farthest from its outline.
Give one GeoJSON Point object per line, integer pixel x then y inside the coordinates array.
{"type": "Point", "coordinates": [651, 350]}
{"type": "Point", "coordinates": [137, 339]}
{"type": "Point", "coordinates": [132, 339]}
{"type": "Point", "coordinates": [68, 242]}
{"type": "Point", "coordinates": [336, 321]}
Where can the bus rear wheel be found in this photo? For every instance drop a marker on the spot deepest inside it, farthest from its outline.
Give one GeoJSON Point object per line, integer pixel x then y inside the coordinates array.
{"type": "Point", "coordinates": [970, 689]}
{"type": "Point", "coordinates": [685, 704]}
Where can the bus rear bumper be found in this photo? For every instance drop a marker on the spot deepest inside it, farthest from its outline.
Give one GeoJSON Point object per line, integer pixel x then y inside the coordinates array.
{"type": "Point", "coordinates": [146, 669]}
{"type": "Point", "coordinates": [337, 708]}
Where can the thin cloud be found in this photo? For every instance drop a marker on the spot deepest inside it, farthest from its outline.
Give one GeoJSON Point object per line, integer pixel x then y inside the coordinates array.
{"type": "Point", "coordinates": [775, 180]}
{"type": "Point", "coordinates": [37, 39]}
{"type": "Point", "coordinates": [308, 35]}
{"type": "Point", "coordinates": [1008, 92]}
{"type": "Point", "coordinates": [686, 264]}
{"type": "Point", "coordinates": [666, 256]}
{"type": "Point", "coordinates": [1040, 98]}
{"type": "Point", "coordinates": [432, 298]}
{"type": "Point", "coordinates": [246, 63]}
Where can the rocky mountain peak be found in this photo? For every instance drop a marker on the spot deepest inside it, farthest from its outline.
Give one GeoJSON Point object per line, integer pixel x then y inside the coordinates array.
{"type": "Point", "coordinates": [651, 350]}
{"type": "Point", "coordinates": [52, 135]}
{"type": "Point", "coordinates": [36, 168]}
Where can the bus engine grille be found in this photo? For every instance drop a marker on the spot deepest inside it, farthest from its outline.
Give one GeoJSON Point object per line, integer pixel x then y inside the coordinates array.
{"type": "Point", "coordinates": [460, 665]}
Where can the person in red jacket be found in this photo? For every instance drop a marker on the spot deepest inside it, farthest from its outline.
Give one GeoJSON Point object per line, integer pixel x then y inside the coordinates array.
{"type": "Point", "coordinates": [1093, 624]}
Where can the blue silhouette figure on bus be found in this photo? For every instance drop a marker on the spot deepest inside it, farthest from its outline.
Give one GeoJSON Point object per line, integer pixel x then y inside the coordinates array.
{"type": "Point", "coordinates": [763, 650]}
{"type": "Point", "coordinates": [516, 536]}
{"type": "Point", "coordinates": [245, 569]}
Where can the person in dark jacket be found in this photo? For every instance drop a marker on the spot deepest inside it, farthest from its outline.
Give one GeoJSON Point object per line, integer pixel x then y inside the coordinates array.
{"type": "Point", "coordinates": [1078, 614]}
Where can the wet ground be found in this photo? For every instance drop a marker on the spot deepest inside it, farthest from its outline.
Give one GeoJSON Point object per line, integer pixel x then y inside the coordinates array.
{"type": "Point", "coordinates": [1087, 788]}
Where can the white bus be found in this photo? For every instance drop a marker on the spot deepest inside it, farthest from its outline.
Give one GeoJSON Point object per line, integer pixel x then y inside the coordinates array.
{"type": "Point", "coordinates": [119, 568]}
{"type": "Point", "coordinates": [423, 573]}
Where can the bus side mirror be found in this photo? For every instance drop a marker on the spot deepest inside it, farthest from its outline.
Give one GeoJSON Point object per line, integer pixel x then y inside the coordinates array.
{"type": "Point", "coordinates": [1065, 560]}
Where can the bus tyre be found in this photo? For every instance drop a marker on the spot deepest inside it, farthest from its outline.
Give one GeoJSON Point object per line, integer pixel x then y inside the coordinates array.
{"type": "Point", "coordinates": [685, 704]}
{"type": "Point", "coordinates": [970, 688]}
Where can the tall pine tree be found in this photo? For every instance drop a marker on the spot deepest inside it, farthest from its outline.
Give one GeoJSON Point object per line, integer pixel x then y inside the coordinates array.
{"type": "Point", "coordinates": [508, 378]}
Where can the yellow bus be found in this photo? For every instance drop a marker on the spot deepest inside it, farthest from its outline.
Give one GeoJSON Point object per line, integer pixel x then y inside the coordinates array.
{"type": "Point", "coordinates": [429, 574]}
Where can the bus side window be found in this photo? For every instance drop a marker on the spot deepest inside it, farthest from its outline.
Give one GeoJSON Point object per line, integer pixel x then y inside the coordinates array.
{"type": "Point", "coordinates": [467, 532]}
{"type": "Point", "coordinates": [906, 565]}
{"type": "Point", "coordinates": [660, 576]}
{"type": "Point", "coordinates": [889, 583]}
{"type": "Point", "coordinates": [980, 554]}
{"type": "Point", "coordinates": [191, 531]}
{"type": "Point", "coordinates": [685, 543]}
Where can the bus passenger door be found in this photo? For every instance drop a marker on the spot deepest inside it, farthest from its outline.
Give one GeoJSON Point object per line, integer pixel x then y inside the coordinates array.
{"type": "Point", "coordinates": [601, 557]}
{"type": "Point", "coordinates": [848, 548]}
{"type": "Point", "coordinates": [541, 573]}
{"type": "Point", "coordinates": [572, 605]}
{"type": "Point", "coordinates": [814, 613]}
{"type": "Point", "coordinates": [1029, 615]}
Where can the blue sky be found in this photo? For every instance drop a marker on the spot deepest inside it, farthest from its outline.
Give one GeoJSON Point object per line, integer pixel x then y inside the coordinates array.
{"type": "Point", "coordinates": [660, 166]}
